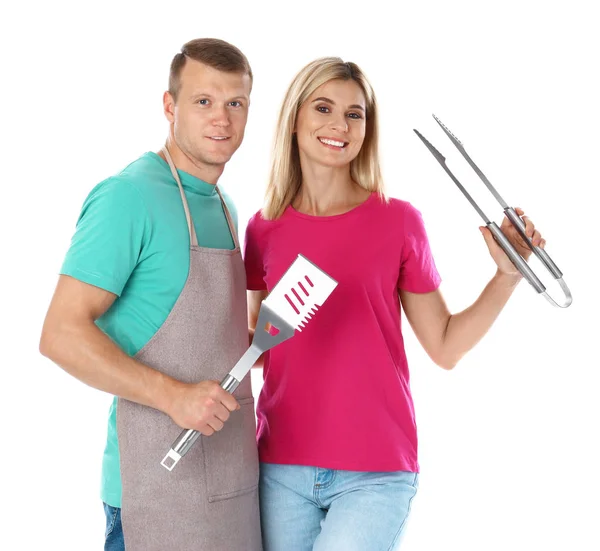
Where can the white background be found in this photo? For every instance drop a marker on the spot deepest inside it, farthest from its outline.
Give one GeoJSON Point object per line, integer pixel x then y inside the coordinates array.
{"type": "Point", "coordinates": [508, 440]}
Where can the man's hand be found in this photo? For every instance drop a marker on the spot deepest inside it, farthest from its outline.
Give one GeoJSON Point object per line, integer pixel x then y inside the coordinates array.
{"type": "Point", "coordinates": [204, 406]}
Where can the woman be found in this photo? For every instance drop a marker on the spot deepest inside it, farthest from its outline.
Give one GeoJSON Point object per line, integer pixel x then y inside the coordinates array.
{"type": "Point", "coordinates": [336, 427]}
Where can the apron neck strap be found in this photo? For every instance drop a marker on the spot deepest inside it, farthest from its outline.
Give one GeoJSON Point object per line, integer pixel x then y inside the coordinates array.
{"type": "Point", "coordinates": [186, 208]}
{"type": "Point", "coordinates": [230, 223]}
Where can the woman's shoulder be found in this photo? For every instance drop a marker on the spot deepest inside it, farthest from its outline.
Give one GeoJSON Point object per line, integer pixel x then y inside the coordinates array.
{"type": "Point", "coordinates": [258, 219]}
{"type": "Point", "coordinates": [258, 224]}
{"type": "Point", "coordinates": [399, 213]}
{"type": "Point", "coordinates": [397, 206]}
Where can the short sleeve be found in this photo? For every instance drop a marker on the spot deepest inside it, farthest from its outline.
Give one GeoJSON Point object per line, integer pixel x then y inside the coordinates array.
{"type": "Point", "coordinates": [253, 256]}
{"type": "Point", "coordinates": [418, 273]}
{"type": "Point", "coordinates": [109, 237]}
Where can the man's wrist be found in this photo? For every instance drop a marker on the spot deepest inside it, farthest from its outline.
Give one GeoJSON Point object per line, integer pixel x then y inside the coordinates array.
{"type": "Point", "coordinates": [169, 391]}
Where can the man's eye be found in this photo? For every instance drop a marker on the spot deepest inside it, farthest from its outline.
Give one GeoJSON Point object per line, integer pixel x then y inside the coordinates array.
{"type": "Point", "coordinates": [235, 103]}
{"type": "Point", "coordinates": [203, 102]}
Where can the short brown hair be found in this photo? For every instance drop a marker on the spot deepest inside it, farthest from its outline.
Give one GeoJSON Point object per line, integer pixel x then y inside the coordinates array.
{"type": "Point", "coordinates": [213, 52]}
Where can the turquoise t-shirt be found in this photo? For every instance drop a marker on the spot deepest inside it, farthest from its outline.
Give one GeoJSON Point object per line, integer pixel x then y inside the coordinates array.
{"type": "Point", "coordinates": [132, 240]}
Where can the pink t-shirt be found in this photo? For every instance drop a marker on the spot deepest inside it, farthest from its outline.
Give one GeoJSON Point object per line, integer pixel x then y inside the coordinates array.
{"type": "Point", "coordinates": [337, 394]}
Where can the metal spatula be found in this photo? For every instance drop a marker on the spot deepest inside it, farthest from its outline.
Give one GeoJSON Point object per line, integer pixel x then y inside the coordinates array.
{"type": "Point", "coordinates": [291, 305]}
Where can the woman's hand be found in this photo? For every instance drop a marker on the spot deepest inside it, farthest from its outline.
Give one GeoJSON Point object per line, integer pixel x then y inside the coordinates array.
{"type": "Point", "coordinates": [505, 266]}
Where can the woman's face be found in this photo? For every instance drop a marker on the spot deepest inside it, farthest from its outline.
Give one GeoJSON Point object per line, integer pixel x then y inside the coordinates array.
{"type": "Point", "coordinates": [331, 124]}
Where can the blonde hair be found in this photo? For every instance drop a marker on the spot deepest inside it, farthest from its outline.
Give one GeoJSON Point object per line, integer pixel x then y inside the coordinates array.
{"type": "Point", "coordinates": [285, 177]}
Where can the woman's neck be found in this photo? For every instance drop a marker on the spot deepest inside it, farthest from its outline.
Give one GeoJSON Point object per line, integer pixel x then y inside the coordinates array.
{"type": "Point", "coordinates": [327, 191]}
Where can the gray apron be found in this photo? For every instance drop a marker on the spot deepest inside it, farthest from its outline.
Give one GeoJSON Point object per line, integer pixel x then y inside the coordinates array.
{"type": "Point", "coordinates": [210, 500]}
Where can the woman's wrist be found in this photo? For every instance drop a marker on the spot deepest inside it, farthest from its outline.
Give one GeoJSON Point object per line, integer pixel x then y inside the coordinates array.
{"type": "Point", "coordinates": [507, 280]}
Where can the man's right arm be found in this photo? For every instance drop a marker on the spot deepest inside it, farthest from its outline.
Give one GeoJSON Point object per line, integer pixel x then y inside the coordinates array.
{"type": "Point", "coordinates": [71, 339]}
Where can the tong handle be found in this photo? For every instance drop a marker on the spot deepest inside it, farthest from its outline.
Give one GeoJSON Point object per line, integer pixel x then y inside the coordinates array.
{"type": "Point", "coordinates": [516, 258]}
{"type": "Point", "coordinates": [518, 223]}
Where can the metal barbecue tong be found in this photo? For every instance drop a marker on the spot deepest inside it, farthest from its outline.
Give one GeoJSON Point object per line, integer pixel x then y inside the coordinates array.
{"type": "Point", "coordinates": [515, 219]}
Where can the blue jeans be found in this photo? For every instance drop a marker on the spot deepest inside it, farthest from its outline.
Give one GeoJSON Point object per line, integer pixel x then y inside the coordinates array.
{"type": "Point", "coordinates": [314, 509]}
{"type": "Point", "coordinates": [114, 530]}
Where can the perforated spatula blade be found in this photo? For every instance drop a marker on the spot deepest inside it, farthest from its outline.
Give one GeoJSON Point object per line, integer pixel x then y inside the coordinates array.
{"type": "Point", "coordinates": [300, 292]}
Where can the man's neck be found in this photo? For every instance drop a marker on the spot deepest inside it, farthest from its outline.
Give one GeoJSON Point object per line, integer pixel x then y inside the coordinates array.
{"type": "Point", "coordinates": [205, 172]}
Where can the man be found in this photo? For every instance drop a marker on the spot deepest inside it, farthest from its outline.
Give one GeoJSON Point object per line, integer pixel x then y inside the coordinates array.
{"type": "Point", "coordinates": [151, 307]}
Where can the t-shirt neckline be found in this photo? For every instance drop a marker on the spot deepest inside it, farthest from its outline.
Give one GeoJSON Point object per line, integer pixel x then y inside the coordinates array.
{"type": "Point", "coordinates": [358, 208]}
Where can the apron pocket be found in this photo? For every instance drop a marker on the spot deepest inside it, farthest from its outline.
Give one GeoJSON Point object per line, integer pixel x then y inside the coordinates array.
{"type": "Point", "coordinates": [231, 455]}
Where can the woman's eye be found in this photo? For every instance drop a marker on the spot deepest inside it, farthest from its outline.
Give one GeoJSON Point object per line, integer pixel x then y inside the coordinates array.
{"type": "Point", "coordinates": [355, 115]}
{"type": "Point", "coordinates": [323, 109]}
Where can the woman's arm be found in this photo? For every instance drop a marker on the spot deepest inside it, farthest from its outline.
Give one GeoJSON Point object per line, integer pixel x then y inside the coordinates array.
{"type": "Point", "coordinates": [448, 337]}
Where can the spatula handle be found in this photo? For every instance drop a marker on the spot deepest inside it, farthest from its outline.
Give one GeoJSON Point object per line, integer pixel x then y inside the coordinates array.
{"type": "Point", "coordinates": [188, 437]}
{"type": "Point", "coordinates": [261, 342]}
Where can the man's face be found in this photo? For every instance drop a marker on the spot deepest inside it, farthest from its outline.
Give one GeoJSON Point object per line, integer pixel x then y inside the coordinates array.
{"type": "Point", "coordinates": [210, 113]}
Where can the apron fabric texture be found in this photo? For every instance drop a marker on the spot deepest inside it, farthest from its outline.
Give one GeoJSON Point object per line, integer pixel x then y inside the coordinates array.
{"type": "Point", "coordinates": [209, 502]}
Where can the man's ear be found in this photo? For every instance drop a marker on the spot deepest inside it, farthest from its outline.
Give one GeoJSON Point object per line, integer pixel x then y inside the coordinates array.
{"type": "Point", "coordinates": [169, 106]}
